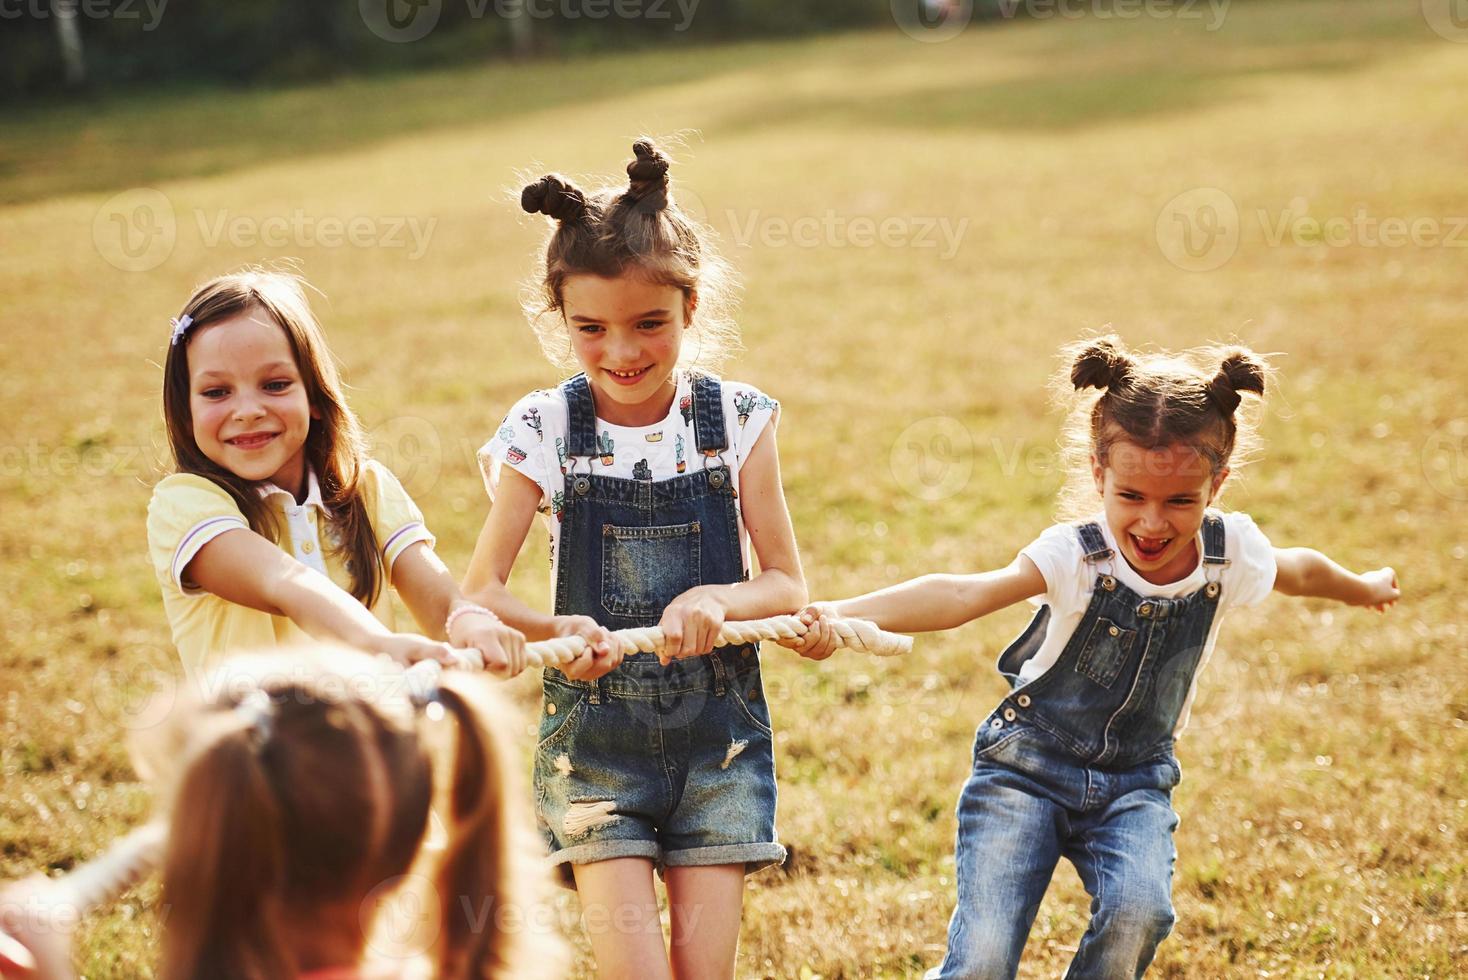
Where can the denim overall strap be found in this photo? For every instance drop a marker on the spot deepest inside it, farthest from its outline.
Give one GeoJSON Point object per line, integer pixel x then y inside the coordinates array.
{"type": "Point", "coordinates": [709, 433]}
{"type": "Point", "coordinates": [1094, 542]}
{"type": "Point", "coordinates": [1114, 694]}
{"type": "Point", "coordinates": [581, 427]}
{"type": "Point", "coordinates": [1029, 642]}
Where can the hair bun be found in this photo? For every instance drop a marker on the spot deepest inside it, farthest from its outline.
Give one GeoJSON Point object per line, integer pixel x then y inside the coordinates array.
{"type": "Point", "coordinates": [1100, 363]}
{"type": "Point", "coordinates": [647, 176]}
{"type": "Point", "coordinates": [1241, 371]}
{"type": "Point", "coordinates": [554, 196]}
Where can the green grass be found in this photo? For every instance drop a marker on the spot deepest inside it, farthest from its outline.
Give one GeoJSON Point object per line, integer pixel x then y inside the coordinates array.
{"type": "Point", "coordinates": [1323, 803]}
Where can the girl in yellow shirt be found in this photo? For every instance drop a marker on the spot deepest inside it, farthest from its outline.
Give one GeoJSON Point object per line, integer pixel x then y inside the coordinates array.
{"type": "Point", "coordinates": [276, 526]}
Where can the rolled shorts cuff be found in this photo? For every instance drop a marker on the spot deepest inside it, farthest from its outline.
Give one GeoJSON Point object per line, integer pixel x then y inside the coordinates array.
{"type": "Point", "coordinates": [754, 857]}
{"type": "Point", "coordinates": [599, 850]}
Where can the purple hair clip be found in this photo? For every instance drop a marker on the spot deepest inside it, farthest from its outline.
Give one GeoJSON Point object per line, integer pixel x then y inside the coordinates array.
{"type": "Point", "coordinates": [181, 326]}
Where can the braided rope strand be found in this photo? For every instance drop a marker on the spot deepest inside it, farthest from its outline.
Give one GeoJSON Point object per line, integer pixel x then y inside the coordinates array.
{"type": "Point", "coordinates": [854, 634]}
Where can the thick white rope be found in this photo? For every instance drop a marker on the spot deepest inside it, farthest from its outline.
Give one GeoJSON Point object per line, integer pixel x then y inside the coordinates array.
{"type": "Point", "coordinates": [854, 634]}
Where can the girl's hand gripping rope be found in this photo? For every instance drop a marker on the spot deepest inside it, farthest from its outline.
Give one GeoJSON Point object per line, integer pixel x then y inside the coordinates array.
{"type": "Point", "coordinates": [820, 639]}
{"type": "Point", "coordinates": [602, 655]}
{"type": "Point", "coordinates": [691, 624]}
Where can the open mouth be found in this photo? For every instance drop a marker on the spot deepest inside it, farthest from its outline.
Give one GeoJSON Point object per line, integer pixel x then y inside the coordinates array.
{"type": "Point", "coordinates": [1149, 549]}
{"type": "Point", "coordinates": [629, 377]}
{"type": "Point", "coordinates": [252, 441]}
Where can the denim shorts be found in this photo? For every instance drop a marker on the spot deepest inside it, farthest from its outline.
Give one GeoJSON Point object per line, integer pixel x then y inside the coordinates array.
{"type": "Point", "coordinates": [674, 763]}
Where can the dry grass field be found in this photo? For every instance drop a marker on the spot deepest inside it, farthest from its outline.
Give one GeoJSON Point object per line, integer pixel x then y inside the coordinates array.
{"type": "Point", "coordinates": [919, 226]}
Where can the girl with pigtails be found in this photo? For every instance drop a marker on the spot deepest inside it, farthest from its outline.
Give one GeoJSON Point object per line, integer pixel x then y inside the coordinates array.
{"type": "Point", "coordinates": [1077, 761]}
{"type": "Point", "coordinates": [664, 489]}
{"type": "Point", "coordinates": [298, 787]}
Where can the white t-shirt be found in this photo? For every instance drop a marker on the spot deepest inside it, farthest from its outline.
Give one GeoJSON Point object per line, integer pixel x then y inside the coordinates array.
{"type": "Point", "coordinates": [1069, 579]}
{"type": "Point", "coordinates": [533, 440]}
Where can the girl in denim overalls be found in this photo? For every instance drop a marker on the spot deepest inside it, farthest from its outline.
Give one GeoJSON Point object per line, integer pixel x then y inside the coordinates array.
{"type": "Point", "coordinates": [650, 476]}
{"type": "Point", "coordinates": [1077, 761]}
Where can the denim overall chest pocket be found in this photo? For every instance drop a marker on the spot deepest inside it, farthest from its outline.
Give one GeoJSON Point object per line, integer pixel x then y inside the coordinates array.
{"type": "Point", "coordinates": [645, 568]}
{"type": "Point", "coordinates": [1105, 652]}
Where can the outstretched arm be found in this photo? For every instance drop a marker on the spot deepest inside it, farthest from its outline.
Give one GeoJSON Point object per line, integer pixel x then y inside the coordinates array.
{"type": "Point", "coordinates": [926, 604]}
{"type": "Point", "coordinates": [244, 568]}
{"type": "Point", "coordinates": [1306, 572]}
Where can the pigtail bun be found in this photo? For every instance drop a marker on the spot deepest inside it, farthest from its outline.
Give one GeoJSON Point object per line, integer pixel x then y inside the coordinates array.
{"type": "Point", "coordinates": [1241, 371]}
{"type": "Point", "coordinates": [555, 197]}
{"type": "Point", "coordinates": [1100, 363]}
{"type": "Point", "coordinates": [647, 177]}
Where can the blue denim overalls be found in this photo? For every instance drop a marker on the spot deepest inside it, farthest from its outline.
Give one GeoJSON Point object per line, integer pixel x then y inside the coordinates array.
{"type": "Point", "coordinates": [670, 763]}
{"type": "Point", "coordinates": [1078, 763]}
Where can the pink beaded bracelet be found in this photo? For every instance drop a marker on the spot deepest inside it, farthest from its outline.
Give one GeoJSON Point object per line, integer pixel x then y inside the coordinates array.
{"type": "Point", "coordinates": [448, 624]}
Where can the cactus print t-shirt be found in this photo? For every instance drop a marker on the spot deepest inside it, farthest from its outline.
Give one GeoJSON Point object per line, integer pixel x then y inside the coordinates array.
{"type": "Point", "coordinates": [532, 440]}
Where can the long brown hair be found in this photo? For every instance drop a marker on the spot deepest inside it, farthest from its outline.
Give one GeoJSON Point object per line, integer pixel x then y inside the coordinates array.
{"type": "Point", "coordinates": [638, 228]}
{"type": "Point", "coordinates": [305, 789]}
{"type": "Point", "coordinates": [1193, 398]}
{"type": "Point", "coordinates": [335, 446]}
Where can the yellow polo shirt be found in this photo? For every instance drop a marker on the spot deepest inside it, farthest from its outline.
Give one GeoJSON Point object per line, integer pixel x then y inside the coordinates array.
{"type": "Point", "coordinates": [189, 511]}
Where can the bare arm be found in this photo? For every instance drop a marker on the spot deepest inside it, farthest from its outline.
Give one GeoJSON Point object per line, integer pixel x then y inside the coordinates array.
{"type": "Point", "coordinates": [941, 602]}
{"type": "Point", "coordinates": [1306, 572]}
{"type": "Point", "coordinates": [489, 572]}
{"type": "Point", "coordinates": [430, 593]}
{"type": "Point", "coordinates": [242, 567]}
{"type": "Point", "coordinates": [692, 621]}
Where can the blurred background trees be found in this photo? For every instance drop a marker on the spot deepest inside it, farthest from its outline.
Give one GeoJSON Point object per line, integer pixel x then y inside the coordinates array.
{"type": "Point", "coordinates": [57, 47]}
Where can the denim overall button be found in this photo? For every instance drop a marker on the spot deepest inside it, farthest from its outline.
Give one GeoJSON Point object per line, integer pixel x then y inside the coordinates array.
{"type": "Point", "coordinates": [582, 485]}
{"type": "Point", "coordinates": [716, 479]}
{"type": "Point", "coordinates": [996, 723]}
{"type": "Point", "coordinates": [1009, 714]}
{"type": "Point", "coordinates": [550, 709]}
{"type": "Point", "coordinates": [1116, 632]}
{"type": "Point", "coordinates": [1211, 590]}
{"type": "Point", "coordinates": [1146, 610]}
{"type": "Point", "coordinates": [1108, 583]}
{"type": "Point", "coordinates": [1024, 700]}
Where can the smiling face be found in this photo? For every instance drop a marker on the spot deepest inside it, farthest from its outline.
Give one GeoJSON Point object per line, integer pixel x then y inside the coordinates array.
{"type": "Point", "coordinates": [627, 332]}
{"type": "Point", "coordinates": [1154, 501]}
{"type": "Point", "coordinates": [250, 411]}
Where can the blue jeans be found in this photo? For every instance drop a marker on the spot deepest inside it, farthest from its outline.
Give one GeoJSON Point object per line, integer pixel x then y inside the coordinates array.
{"type": "Point", "coordinates": [1025, 806]}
